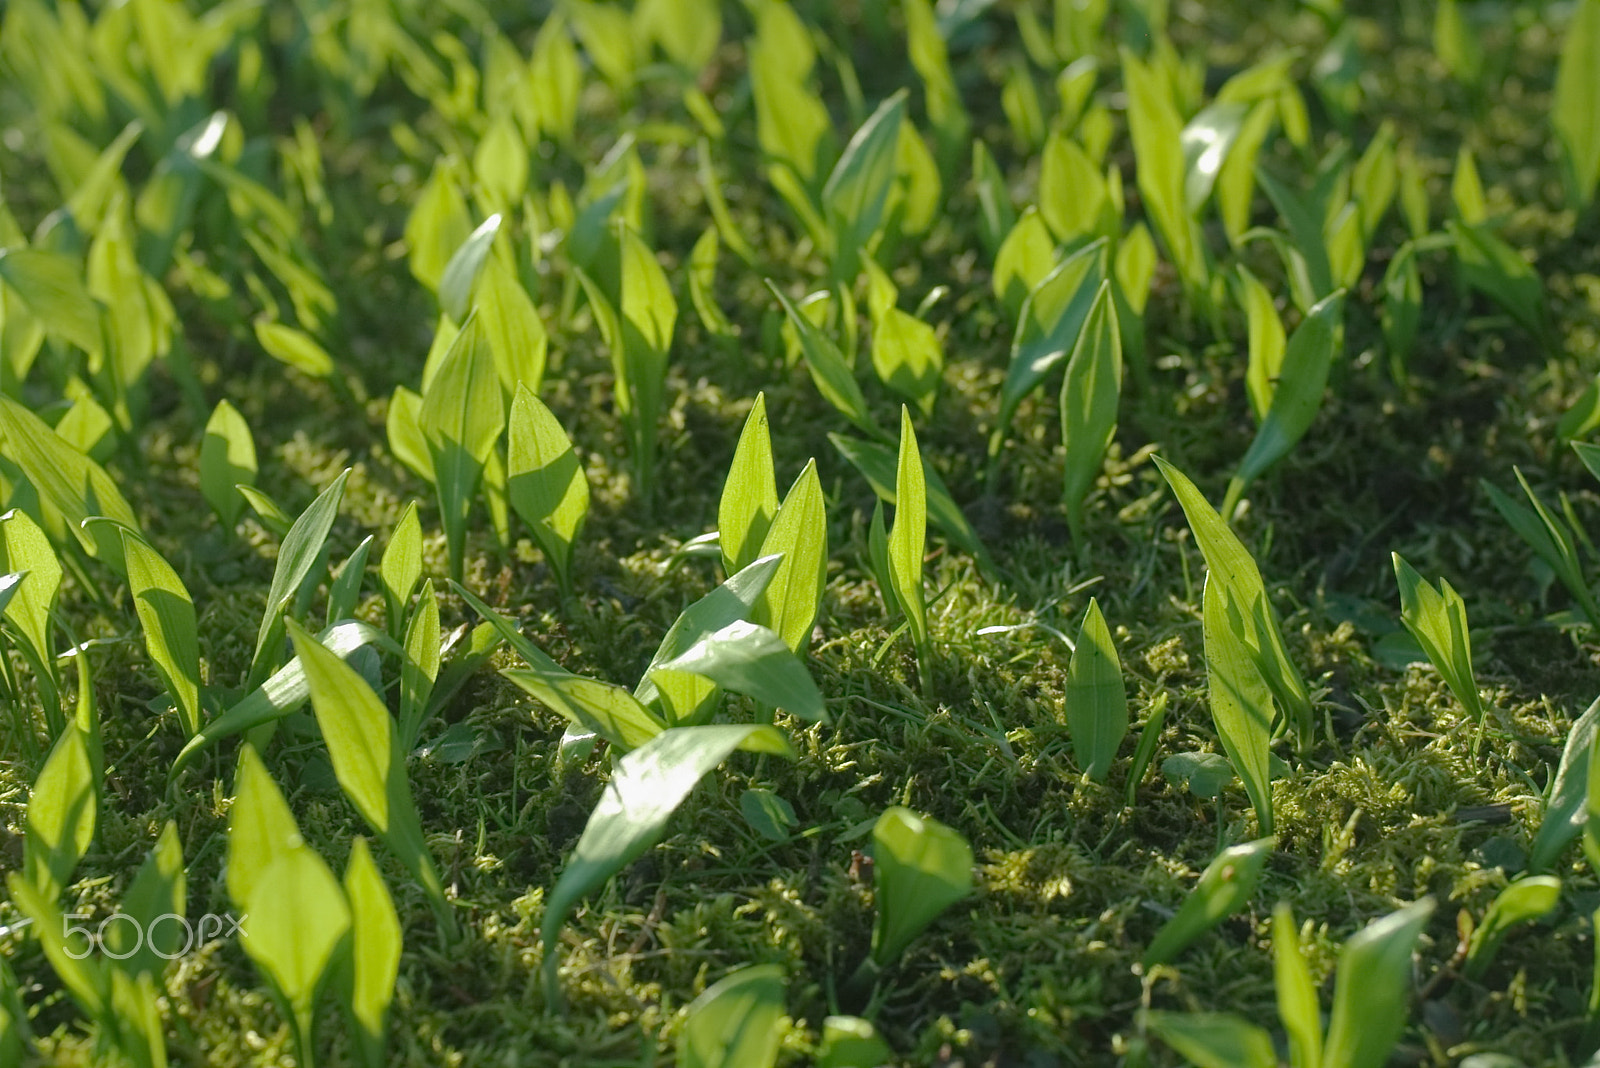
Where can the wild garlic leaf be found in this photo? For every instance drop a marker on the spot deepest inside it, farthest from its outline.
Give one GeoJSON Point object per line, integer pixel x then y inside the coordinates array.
{"type": "Point", "coordinates": [1096, 700]}
{"type": "Point", "coordinates": [749, 495]}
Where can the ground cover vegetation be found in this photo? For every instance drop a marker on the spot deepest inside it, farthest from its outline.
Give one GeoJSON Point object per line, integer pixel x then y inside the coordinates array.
{"type": "Point", "coordinates": [979, 533]}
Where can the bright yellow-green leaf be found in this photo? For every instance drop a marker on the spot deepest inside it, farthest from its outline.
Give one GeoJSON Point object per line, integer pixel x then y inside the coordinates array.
{"type": "Point", "coordinates": [293, 347]}
{"type": "Point", "coordinates": [171, 633]}
{"type": "Point", "coordinates": [227, 458]}
{"type": "Point", "coordinates": [750, 493]}
{"type": "Point", "coordinates": [1090, 392]}
{"type": "Point", "coordinates": [799, 531]}
{"type": "Point", "coordinates": [921, 867]}
{"type": "Point", "coordinates": [546, 482]}
{"type": "Point", "coordinates": [1097, 703]}
{"type": "Point", "coordinates": [375, 945]}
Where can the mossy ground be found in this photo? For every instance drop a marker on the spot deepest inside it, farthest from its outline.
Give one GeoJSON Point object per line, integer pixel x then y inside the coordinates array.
{"type": "Point", "coordinates": [1038, 967]}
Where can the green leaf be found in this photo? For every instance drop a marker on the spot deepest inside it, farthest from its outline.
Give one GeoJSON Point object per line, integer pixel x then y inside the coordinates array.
{"type": "Point", "coordinates": [1090, 391]}
{"type": "Point", "coordinates": [1374, 180]}
{"type": "Point", "coordinates": [87, 983]}
{"type": "Point", "coordinates": [751, 659]}
{"type": "Point", "coordinates": [1205, 775]}
{"type": "Point", "coordinates": [1236, 181]}
{"type": "Point", "coordinates": [879, 466]}
{"type": "Point", "coordinates": [60, 818]}
{"type": "Point", "coordinates": [1456, 44]}
{"type": "Point", "coordinates": [1156, 128]}
{"type": "Point", "coordinates": [1527, 899]}
{"type": "Point", "coordinates": [703, 285]}
{"type": "Point", "coordinates": [1372, 996]}
{"type": "Point", "coordinates": [500, 165]}
{"type": "Point", "coordinates": [345, 590]}
{"type": "Point", "coordinates": [609, 711]}
{"type": "Point", "coordinates": [1214, 1040]}
{"type": "Point", "coordinates": [682, 698]}
{"type": "Point", "coordinates": [50, 285]}
{"type": "Point", "coordinates": [1549, 538]}
{"type": "Point", "coordinates": [1050, 324]}
{"type": "Point", "coordinates": [908, 538]}
{"type": "Point", "coordinates": [1149, 738]}
{"type": "Point", "coordinates": [1224, 888]}
{"type": "Point", "coordinates": [851, 1042]}
{"type": "Point", "coordinates": [1589, 454]}
{"type": "Point", "coordinates": [439, 222]}
{"type": "Point", "coordinates": [1413, 192]}
{"type": "Point", "coordinates": [546, 485]}
{"type": "Point", "coordinates": [517, 336]}
{"type": "Point", "coordinates": [1097, 703]}
{"type": "Point", "coordinates": [854, 195]}
{"type": "Point", "coordinates": [1072, 195]}
{"type": "Point", "coordinates": [70, 482]}
{"type": "Point", "coordinates": [1207, 140]}
{"type": "Point", "coordinates": [294, 920]}
{"type": "Point", "coordinates": [355, 725]}
{"type": "Point", "coordinates": [460, 275]}
{"type": "Point", "coordinates": [1437, 618]}
{"type": "Point", "coordinates": [402, 425]}
{"type": "Point", "coordinates": [1402, 307]}
{"type": "Point", "coordinates": [227, 458]}
{"type": "Point", "coordinates": [1240, 699]}
{"type": "Point", "coordinates": [1305, 217]}
{"type": "Point", "coordinates": [369, 766]}
{"type": "Point", "coordinates": [908, 357]}
{"type": "Point", "coordinates": [798, 533]}
{"type": "Point", "coordinates": [749, 495]}
{"type": "Point", "coordinates": [688, 32]}
{"type": "Point", "coordinates": [375, 947]}
{"type": "Point", "coordinates": [1301, 382]}
{"type": "Point", "coordinates": [260, 827]}
{"type": "Point", "coordinates": [1025, 257]}
{"type": "Point", "coordinates": [767, 813]}
{"type": "Point", "coordinates": [281, 694]}
{"type": "Point", "coordinates": [828, 367]}
{"type": "Point", "coordinates": [1564, 807]}
{"type": "Point", "coordinates": [15, 1035]}
{"type": "Point", "coordinates": [420, 666]}
{"type": "Point", "coordinates": [1297, 998]}
{"type": "Point", "coordinates": [920, 868]}
{"type": "Point", "coordinates": [25, 548]}
{"type": "Point", "coordinates": [1500, 273]}
{"type": "Point", "coordinates": [294, 348]}
{"type": "Point", "coordinates": [301, 549]}
{"type": "Point", "coordinates": [1575, 109]}
{"type": "Point", "coordinates": [996, 217]}
{"type": "Point", "coordinates": [1266, 341]}
{"type": "Point", "coordinates": [1466, 190]}
{"type": "Point", "coordinates": [171, 632]}
{"type": "Point", "coordinates": [735, 1022]}
{"type": "Point", "coordinates": [158, 894]}
{"type": "Point", "coordinates": [1236, 571]}
{"type": "Point", "coordinates": [463, 413]}
{"type": "Point", "coordinates": [401, 566]}
{"type": "Point", "coordinates": [646, 787]}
